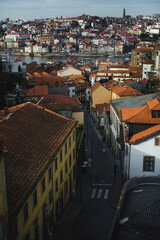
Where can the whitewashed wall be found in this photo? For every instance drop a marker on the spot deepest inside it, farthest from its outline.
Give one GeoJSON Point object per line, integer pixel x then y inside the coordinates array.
{"type": "Point", "coordinates": [145, 148]}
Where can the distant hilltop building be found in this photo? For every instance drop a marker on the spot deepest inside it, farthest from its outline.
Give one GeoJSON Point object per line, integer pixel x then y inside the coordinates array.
{"type": "Point", "coordinates": [124, 13]}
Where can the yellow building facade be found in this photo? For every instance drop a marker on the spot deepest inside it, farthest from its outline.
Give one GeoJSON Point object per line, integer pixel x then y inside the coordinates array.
{"type": "Point", "coordinates": [100, 95]}
{"type": "Point", "coordinates": [45, 201]}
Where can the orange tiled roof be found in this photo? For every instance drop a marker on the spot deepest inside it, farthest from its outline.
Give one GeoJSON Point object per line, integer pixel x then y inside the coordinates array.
{"type": "Point", "coordinates": [37, 91]}
{"type": "Point", "coordinates": [114, 71]}
{"type": "Point", "coordinates": [58, 99]}
{"type": "Point", "coordinates": [141, 114]}
{"type": "Point", "coordinates": [127, 113]}
{"type": "Point", "coordinates": [45, 74]}
{"type": "Point", "coordinates": [77, 76]}
{"type": "Point", "coordinates": [33, 136]}
{"type": "Point", "coordinates": [121, 65]}
{"type": "Point", "coordinates": [136, 75]}
{"type": "Point", "coordinates": [31, 76]}
{"type": "Point", "coordinates": [154, 104]}
{"type": "Point", "coordinates": [143, 50]}
{"type": "Point", "coordinates": [19, 60]}
{"type": "Point", "coordinates": [37, 74]}
{"type": "Point", "coordinates": [95, 86]}
{"type": "Point", "coordinates": [122, 89]}
{"type": "Point", "coordinates": [85, 66]}
{"type": "Point", "coordinates": [141, 136]}
{"type": "Point", "coordinates": [136, 69]}
{"type": "Point", "coordinates": [100, 107]}
{"type": "Point", "coordinates": [129, 81]}
{"type": "Point", "coordinates": [148, 61]}
{"type": "Point", "coordinates": [50, 80]}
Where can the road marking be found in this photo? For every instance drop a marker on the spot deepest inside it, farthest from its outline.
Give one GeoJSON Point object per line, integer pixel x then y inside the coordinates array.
{"type": "Point", "coordinates": [99, 193]}
{"type": "Point", "coordinates": [137, 191]}
{"type": "Point", "coordinates": [93, 193]}
{"type": "Point", "coordinates": [102, 184]}
{"type": "Point", "coordinates": [106, 194]}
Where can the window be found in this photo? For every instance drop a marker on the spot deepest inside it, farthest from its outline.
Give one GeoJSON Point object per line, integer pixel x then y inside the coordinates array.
{"type": "Point", "coordinates": [69, 142]}
{"type": "Point", "coordinates": [43, 185]}
{"type": "Point", "coordinates": [61, 176]}
{"type": "Point", "coordinates": [65, 147]}
{"type": "Point", "coordinates": [148, 163]}
{"type": "Point", "coordinates": [155, 113]}
{"type": "Point", "coordinates": [50, 196]}
{"type": "Point", "coordinates": [56, 185]}
{"type": "Point", "coordinates": [66, 167]}
{"type": "Point", "coordinates": [25, 213]}
{"type": "Point", "coordinates": [61, 156]}
{"type": "Point", "coordinates": [70, 160]}
{"type": "Point", "coordinates": [36, 229]}
{"type": "Point", "coordinates": [55, 164]}
{"type": "Point", "coordinates": [49, 174]}
{"type": "Point", "coordinates": [157, 141]}
{"type": "Point", "coordinates": [34, 199]}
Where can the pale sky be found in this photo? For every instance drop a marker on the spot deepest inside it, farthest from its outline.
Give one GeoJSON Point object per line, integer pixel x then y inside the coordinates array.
{"type": "Point", "coordinates": [31, 9]}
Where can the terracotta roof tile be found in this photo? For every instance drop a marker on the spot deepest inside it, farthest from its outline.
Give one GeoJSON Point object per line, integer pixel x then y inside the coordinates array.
{"type": "Point", "coordinates": [85, 66]}
{"type": "Point", "coordinates": [37, 74]}
{"type": "Point", "coordinates": [145, 134]}
{"type": "Point", "coordinates": [50, 80]}
{"type": "Point", "coordinates": [141, 114]}
{"type": "Point", "coordinates": [148, 61]}
{"type": "Point", "coordinates": [77, 77]}
{"type": "Point", "coordinates": [32, 136]}
{"type": "Point", "coordinates": [114, 71]}
{"type": "Point", "coordinates": [154, 104]}
{"type": "Point", "coordinates": [36, 91]}
{"type": "Point", "coordinates": [127, 113]}
{"type": "Point", "coordinates": [59, 101]}
{"type": "Point", "coordinates": [122, 89]}
{"type": "Point", "coordinates": [100, 107]}
{"type": "Point", "coordinates": [143, 49]}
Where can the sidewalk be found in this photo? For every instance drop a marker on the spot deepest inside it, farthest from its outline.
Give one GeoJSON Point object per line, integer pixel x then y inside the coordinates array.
{"type": "Point", "coordinates": [71, 213]}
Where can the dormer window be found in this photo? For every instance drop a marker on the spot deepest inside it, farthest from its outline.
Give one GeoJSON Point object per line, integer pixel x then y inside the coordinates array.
{"type": "Point", "coordinates": [155, 113]}
{"type": "Point", "coordinates": [57, 84]}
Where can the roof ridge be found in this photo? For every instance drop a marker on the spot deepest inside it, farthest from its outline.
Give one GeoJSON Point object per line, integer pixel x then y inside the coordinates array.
{"type": "Point", "coordinates": [15, 109]}
{"type": "Point", "coordinates": [54, 113]}
{"type": "Point", "coordinates": [143, 109]}
{"type": "Point", "coordinates": [143, 134]}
